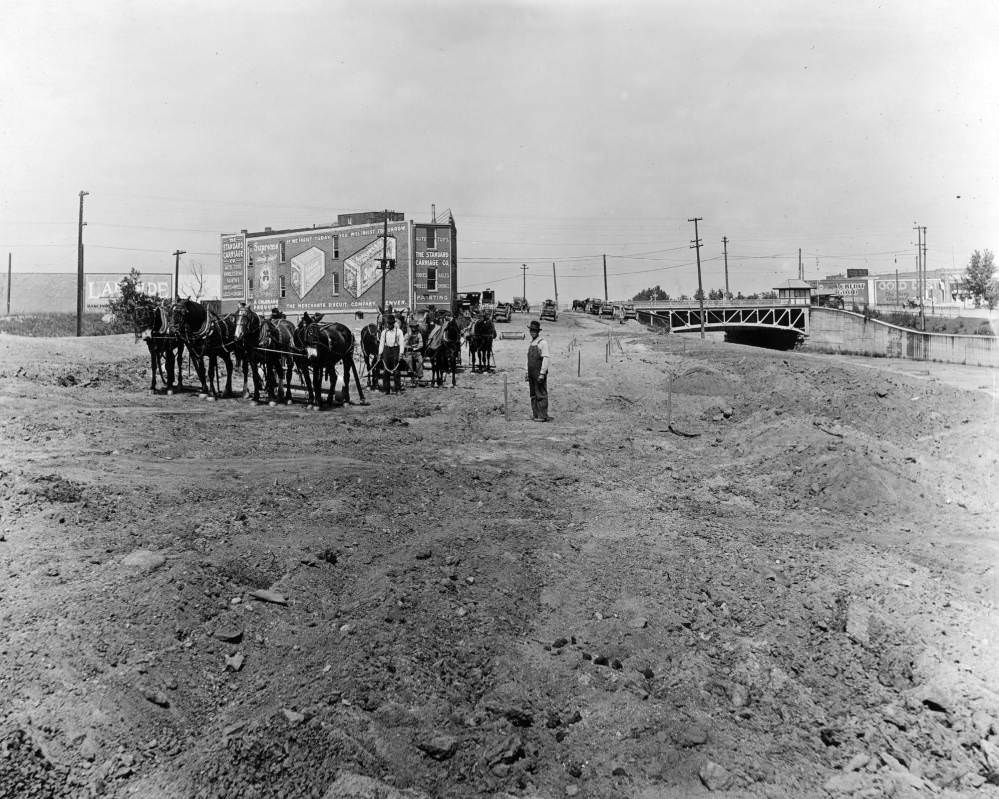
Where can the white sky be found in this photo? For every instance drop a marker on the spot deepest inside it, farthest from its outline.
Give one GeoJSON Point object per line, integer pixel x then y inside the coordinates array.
{"type": "Point", "coordinates": [554, 131]}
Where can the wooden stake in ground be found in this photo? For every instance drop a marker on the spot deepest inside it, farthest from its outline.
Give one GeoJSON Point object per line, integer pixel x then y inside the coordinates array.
{"type": "Point", "coordinates": [506, 404]}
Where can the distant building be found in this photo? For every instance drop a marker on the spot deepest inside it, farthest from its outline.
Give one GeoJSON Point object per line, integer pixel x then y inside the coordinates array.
{"type": "Point", "coordinates": [337, 269]}
{"type": "Point", "coordinates": [55, 292]}
{"type": "Point", "coordinates": [943, 287]}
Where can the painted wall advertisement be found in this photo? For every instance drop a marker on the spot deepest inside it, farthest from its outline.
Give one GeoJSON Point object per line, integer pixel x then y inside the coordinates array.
{"type": "Point", "coordinates": [233, 271]}
{"type": "Point", "coordinates": [330, 270]}
{"type": "Point", "coordinates": [101, 287]}
{"type": "Point", "coordinates": [432, 269]}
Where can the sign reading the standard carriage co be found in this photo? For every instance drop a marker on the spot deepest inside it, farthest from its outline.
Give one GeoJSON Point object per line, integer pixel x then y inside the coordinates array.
{"type": "Point", "coordinates": [233, 283]}
{"type": "Point", "coordinates": [101, 287]}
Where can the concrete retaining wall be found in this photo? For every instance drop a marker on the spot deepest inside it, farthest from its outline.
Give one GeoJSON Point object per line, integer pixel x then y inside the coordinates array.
{"type": "Point", "coordinates": [854, 334]}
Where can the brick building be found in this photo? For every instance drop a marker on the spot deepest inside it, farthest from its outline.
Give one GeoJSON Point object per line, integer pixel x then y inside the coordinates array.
{"type": "Point", "coordinates": [336, 269]}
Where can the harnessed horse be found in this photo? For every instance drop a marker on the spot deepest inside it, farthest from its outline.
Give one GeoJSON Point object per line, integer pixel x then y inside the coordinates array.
{"type": "Point", "coordinates": [442, 349]}
{"type": "Point", "coordinates": [480, 337]}
{"type": "Point", "coordinates": [247, 348]}
{"type": "Point", "coordinates": [152, 323]}
{"type": "Point", "coordinates": [327, 344]}
{"type": "Point", "coordinates": [282, 346]}
{"type": "Point", "coordinates": [206, 335]}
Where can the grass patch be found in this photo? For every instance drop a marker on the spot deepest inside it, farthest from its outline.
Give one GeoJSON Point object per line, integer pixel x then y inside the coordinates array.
{"type": "Point", "coordinates": [44, 325]}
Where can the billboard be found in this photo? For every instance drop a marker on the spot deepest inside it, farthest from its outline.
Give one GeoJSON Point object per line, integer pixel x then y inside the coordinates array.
{"type": "Point", "coordinates": [99, 288]}
{"type": "Point", "coordinates": [332, 270]}
{"type": "Point", "coordinates": [233, 268]}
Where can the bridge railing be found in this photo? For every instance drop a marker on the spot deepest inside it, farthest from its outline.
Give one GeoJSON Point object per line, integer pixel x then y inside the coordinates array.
{"type": "Point", "coordinates": [768, 302]}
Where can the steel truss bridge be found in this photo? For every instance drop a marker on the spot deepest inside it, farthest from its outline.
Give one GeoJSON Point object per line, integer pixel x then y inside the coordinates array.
{"type": "Point", "coordinates": [790, 315]}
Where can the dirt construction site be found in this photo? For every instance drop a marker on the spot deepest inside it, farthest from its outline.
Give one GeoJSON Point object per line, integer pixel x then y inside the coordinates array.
{"type": "Point", "coordinates": [719, 570]}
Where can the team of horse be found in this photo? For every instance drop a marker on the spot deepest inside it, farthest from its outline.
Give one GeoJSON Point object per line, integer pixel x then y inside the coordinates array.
{"type": "Point", "coordinates": [270, 350]}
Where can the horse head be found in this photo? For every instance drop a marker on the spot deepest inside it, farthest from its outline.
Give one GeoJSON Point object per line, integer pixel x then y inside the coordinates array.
{"type": "Point", "coordinates": [145, 321]}
{"type": "Point", "coordinates": [247, 322]}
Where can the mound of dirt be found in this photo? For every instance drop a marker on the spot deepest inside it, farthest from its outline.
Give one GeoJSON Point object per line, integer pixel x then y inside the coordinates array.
{"type": "Point", "coordinates": [776, 582]}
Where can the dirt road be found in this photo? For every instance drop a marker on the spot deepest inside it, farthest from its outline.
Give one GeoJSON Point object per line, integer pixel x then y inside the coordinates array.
{"type": "Point", "coordinates": [778, 578]}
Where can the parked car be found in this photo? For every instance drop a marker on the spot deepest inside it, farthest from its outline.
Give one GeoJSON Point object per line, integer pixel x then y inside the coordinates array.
{"type": "Point", "coordinates": [593, 306]}
{"type": "Point", "coordinates": [607, 309]}
{"type": "Point", "coordinates": [629, 311]}
{"type": "Point", "coordinates": [549, 311]}
{"type": "Point", "coordinates": [503, 312]}
{"type": "Point", "coordinates": [520, 304]}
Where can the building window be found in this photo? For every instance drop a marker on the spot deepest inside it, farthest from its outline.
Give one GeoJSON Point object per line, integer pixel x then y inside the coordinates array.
{"type": "Point", "coordinates": [282, 250]}
{"type": "Point", "coordinates": [251, 283]}
{"type": "Point", "coordinates": [281, 283]}
{"type": "Point", "coordinates": [336, 282]}
{"type": "Point", "coordinates": [431, 278]}
{"type": "Point", "coordinates": [336, 246]}
{"type": "Point", "coordinates": [431, 238]}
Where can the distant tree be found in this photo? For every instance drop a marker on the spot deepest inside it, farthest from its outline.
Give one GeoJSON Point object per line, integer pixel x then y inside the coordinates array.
{"type": "Point", "coordinates": [767, 295]}
{"type": "Point", "coordinates": [654, 293]}
{"type": "Point", "coordinates": [716, 294]}
{"type": "Point", "coordinates": [197, 283]}
{"type": "Point", "coordinates": [122, 307]}
{"type": "Point", "coordinates": [684, 297]}
{"type": "Point", "coordinates": [979, 279]}
{"type": "Point", "coordinates": [699, 294]}
{"type": "Point", "coordinates": [739, 296]}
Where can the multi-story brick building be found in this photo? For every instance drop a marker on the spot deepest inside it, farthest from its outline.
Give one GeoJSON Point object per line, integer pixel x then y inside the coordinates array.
{"type": "Point", "coordinates": [337, 269]}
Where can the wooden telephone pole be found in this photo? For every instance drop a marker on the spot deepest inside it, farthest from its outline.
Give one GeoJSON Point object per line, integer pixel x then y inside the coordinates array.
{"type": "Point", "coordinates": [176, 272]}
{"type": "Point", "coordinates": [696, 244]}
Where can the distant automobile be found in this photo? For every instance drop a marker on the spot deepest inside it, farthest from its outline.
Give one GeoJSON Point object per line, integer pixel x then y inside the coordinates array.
{"type": "Point", "coordinates": [549, 311]}
{"type": "Point", "coordinates": [607, 309]}
{"type": "Point", "coordinates": [503, 312]}
{"type": "Point", "coordinates": [629, 311]}
{"type": "Point", "coordinates": [520, 304]}
{"type": "Point", "coordinates": [593, 306]}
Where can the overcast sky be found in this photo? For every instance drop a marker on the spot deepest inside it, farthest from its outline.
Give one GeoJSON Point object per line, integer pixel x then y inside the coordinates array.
{"type": "Point", "coordinates": [553, 131]}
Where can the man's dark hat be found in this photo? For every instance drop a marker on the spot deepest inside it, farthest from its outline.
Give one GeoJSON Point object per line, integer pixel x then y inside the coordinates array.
{"type": "Point", "coordinates": [535, 325]}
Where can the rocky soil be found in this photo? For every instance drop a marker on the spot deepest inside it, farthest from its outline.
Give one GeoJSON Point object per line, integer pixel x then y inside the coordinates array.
{"type": "Point", "coordinates": [720, 571]}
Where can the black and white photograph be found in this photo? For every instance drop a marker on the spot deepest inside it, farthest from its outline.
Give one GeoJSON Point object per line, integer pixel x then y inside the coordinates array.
{"type": "Point", "coordinates": [500, 399]}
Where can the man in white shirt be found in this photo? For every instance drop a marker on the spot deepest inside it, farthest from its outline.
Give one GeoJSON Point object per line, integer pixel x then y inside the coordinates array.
{"type": "Point", "coordinates": [538, 360]}
{"type": "Point", "coordinates": [390, 345]}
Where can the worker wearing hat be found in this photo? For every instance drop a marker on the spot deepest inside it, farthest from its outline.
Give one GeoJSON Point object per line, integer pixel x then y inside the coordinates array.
{"type": "Point", "coordinates": [538, 360]}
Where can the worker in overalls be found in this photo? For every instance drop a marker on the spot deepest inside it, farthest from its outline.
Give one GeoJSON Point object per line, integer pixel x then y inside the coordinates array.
{"type": "Point", "coordinates": [413, 353]}
{"type": "Point", "coordinates": [390, 345]}
{"type": "Point", "coordinates": [538, 361]}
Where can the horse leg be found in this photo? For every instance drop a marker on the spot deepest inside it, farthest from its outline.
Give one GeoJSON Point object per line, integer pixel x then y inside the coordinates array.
{"type": "Point", "coordinates": [180, 366]}
{"type": "Point", "coordinates": [168, 356]}
{"type": "Point", "coordinates": [227, 360]}
{"type": "Point", "coordinates": [154, 365]}
{"type": "Point", "coordinates": [357, 381]}
{"type": "Point", "coordinates": [289, 369]}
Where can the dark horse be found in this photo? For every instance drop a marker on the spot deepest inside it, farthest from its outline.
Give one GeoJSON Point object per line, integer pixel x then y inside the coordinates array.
{"type": "Point", "coordinates": [480, 336]}
{"type": "Point", "coordinates": [370, 334]}
{"type": "Point", "coordinates": [205, 335]}
{"type": "Point", "coordinates": [249, 349]}
{"type": "Point", "coordinates": [282, 346]}
{"type": "Point", "coordinates": [152, 323]}
{"type": "Point", "coordinates": [442, 350]}
{"type": "Point", "coordinates": [326, 344]}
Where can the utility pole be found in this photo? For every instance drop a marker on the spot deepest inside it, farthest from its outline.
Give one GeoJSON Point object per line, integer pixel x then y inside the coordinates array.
{"type": "Point", "coordinates": [922, 296]}
{"type": "Point", "coordinates": [523, 268]}
{"type": "Point", "coordinates": [8, 283]}
{"type": "Point", "coordinates": [555, 281]}
{"type": "Point", "coordinates": [801, 269]}
{"type": "Point", "coordinates": [898, 298]}
{"type": "Point", "coordinates": [79, 269]}
{"type": "Point", "coordinates": [920, 251]}
{"type": "Point", "coordinates": [696, 244]}
{"type": "Point", "coordinates": [433, 212]}
{"type": "Point", "coordinates": [384, 258]}
{"type": "Point", "coordinates": [606, 298]}
{"type": "Point", "coordinates": [176, 272]}
{"type": "Point", "coordinates": [728, 294]}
